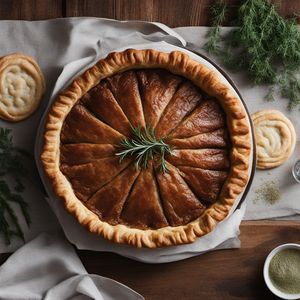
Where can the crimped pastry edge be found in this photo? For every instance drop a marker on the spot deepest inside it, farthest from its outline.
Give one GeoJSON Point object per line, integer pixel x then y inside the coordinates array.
{"type": "Point", "coordinates": [177, 63]}
{"type": "Point", "coordinates": [5, 61]}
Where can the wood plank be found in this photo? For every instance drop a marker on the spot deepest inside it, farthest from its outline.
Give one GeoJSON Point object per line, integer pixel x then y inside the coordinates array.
{"type": "Point", "coordinates": [30, 9]}
{"type": "Point", "coordinates": [173, 13]}
{"type": "Point", "coordinates": [234, 274]}
{"type": "Point", "coordinates": [134, 10]}
{"type": "Point", "coordinates": [289, 8]}
{"type": "Point", "coordinates": [92, 8]}
{"type": "Point", "coordinates": [177, 12]}
{"type": "Point", "coordinates": [225, 274]}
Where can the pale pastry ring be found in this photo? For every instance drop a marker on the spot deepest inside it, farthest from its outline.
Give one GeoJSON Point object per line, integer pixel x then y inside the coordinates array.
{"type": "Point", "coordinates": [275, 138]}
{"type": "Point", "coordinates": [22, 86]}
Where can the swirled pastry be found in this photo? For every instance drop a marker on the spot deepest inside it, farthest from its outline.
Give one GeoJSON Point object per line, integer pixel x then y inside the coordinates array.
{"type": "Point", "coordinates": [22, 85]}
{"type": "Point", "coordinates": [275, 138]}
{"type": "Point", "coordinates": [188, 107]}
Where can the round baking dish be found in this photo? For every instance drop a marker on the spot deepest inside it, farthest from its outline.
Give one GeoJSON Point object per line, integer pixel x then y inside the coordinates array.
{"type": "Point", "coordinates": [225, 78]}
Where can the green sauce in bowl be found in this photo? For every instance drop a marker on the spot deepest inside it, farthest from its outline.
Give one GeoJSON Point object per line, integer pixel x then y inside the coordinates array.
{"type": "Point", "coordinates": [284, 271]}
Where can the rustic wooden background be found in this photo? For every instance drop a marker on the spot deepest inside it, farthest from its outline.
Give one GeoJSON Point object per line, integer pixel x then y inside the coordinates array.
{"type": "Point", "coordinates": [234, 274]}
{"type": "Point", "coordinates": [174, 13]}
{"type": "Point", "coordinates": [227, 274]}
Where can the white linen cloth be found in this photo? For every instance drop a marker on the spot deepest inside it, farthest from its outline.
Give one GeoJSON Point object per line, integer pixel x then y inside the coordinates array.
{"type": "Point", "coordinates": [226, 236]}
{"type": "Point", "coordinates": [55, 43]}
{"type": "Point", "coordinates": [48, 268]}
{"type": "Point", "coordinates": [72, 39]}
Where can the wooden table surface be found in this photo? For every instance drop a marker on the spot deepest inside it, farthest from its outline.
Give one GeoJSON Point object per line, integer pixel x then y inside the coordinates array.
{"type": "Point", "coordinates": [173, 13]}
{"type": "Point", "coordinates": [224, 274]}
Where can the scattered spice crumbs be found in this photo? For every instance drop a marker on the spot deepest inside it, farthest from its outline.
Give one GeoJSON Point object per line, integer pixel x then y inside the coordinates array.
{"type": "Point", "coordinates": [268, 192]}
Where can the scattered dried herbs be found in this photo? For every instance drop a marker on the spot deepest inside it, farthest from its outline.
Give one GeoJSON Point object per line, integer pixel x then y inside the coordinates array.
{"type": "Point", "coordinates": [268, 192]}
{"type": "Point", "coordinates": [263, 44]}
{"type": "Point", "coordinates": [12, 169]}
{"type": "Point", "coordinates": [143, 146]}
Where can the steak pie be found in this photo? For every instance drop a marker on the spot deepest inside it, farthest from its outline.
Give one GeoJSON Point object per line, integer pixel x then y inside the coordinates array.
{"type": "Point", "coordinates": [185, 177]}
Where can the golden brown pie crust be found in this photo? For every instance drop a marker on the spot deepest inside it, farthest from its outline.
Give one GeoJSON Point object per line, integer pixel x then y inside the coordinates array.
{"type": "Point", "coordinates": [178, 63]}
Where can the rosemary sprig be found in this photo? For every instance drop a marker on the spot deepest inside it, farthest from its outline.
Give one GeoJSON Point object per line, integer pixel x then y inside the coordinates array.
{"type": "Point", "coordinates": [144, 145]}
{"type": "Point", "coordinates": [264, 45]}
{"type": "Point", "coordinates": [217, 13]}
{"type": "Point", "coordinates": [11, 169]}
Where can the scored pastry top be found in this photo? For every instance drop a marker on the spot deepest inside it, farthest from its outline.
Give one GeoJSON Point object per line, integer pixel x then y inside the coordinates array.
{"type": "Point", "coordinates": [186, 118]}
{"type": "Point", "coordinates": [178, 192]}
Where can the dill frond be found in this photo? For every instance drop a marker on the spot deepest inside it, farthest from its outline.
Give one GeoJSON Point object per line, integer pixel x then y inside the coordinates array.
{"type": "Point", "coordinates": [264, 45]}
{"type": "Point", "coordinates": [12, 167]}
{"type": "Point", "coordinates": [217, 13]}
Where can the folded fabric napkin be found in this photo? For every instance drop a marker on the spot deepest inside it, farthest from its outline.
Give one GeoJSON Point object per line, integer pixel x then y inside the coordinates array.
{"type": "Point", "coordinates": [48, 268]}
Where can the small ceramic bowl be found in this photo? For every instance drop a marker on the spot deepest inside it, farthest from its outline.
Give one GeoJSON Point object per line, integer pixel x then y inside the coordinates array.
{"type": "Point", "coordinates": [295, 171]}
{"type": "Point", "coordinates": [268, 281]}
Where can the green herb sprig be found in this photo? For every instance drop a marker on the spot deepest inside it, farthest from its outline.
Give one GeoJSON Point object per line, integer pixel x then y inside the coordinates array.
{"type": "Point", "coordinates": [217, 13]}
{"type": "Point", "coordinates": [13, 169]}
{"type": "Point", "coordinates": [264, 45]}
{"type": "Point", "coordinates": [144, 145]}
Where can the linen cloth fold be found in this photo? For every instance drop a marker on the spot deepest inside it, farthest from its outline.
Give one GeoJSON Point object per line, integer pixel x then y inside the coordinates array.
{"type": "Point", "coordinates": [70, 39]}
{"type": "Point", "coordinates": [224, 236]}
{"type": "Point", "coordinates": [48, 268]}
